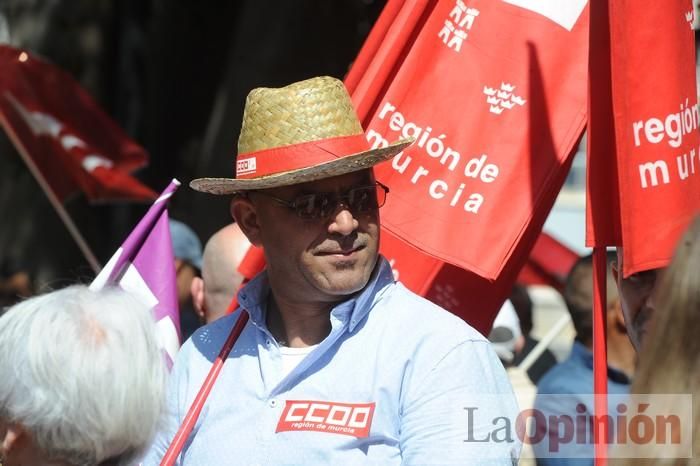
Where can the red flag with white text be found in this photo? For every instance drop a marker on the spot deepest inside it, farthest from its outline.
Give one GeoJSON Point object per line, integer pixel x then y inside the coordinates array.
{"type": "Point", "coordinates": [643, 149]}
{"type": "Point", "coordinates": [63, 133]}
{"type": "Point", "coordinates": [492, 91]}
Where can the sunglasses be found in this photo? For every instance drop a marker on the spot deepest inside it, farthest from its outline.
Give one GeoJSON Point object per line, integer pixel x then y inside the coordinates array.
{"type": "Point", "coordinates": [319, 206]}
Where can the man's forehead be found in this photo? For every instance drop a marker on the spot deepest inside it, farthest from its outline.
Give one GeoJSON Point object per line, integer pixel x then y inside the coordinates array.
{"type": "Point", "coordinates": [647, 272]}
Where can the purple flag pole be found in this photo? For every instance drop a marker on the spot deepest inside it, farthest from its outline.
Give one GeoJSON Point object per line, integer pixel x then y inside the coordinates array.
{"type": "Point", "coordinates": [144, 265]}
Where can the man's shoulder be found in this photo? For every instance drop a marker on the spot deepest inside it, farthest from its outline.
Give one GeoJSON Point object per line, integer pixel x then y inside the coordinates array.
{"type": "Point", "coordinates": [416, 315]}
{"type": "Point", "coordinates": [564, 377]}
{"type": "Point", "coordinates": [206, 341]}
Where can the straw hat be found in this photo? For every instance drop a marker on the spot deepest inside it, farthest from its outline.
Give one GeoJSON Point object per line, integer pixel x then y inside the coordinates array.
{"type": "Point", "coordinates": [303, 132]}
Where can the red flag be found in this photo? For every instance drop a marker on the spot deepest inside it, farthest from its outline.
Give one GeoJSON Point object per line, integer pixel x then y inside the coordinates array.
{"type": "Point", "coordinates": [549, 263]}
{"type": "Point", "coordinates": [495, 87]}
{"type": "Point", "coordinates": [643, 185]}
{"type": "Point", "coordinates": [485, 160]}
{"type": "Point", "coordinates": [413, 73]}
{"type": "Point", "coordinates": [643, 159]}
{"type": "Point", "coordinates": [63, 134]}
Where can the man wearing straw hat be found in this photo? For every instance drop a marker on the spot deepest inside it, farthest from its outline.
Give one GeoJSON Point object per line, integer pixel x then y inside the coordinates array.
{"type": "Point", "coordinates": [338, 363]}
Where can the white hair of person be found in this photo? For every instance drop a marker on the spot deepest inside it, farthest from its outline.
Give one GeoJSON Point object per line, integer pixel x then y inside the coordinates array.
{"type": "Point", "coordinates": [83, 374]}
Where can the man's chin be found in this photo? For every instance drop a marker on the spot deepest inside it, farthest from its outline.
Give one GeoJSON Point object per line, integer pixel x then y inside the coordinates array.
{"type": "Point", "coordinates": [340, 276]}
{"type": "Point", "coordinates": [344, 282]}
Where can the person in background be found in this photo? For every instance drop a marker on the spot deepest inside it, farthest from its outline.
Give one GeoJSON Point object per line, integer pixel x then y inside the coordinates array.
{"type": "Point", "coordinates": [638, 298]}
{"type": "Point", "coordinates": [668, 362]}
{"type": "Point", "coordinates": [505, 336]}
{"type": "Point", "coordinates": [187, 249]}
{"type": "Point", "coordinates": [15, 283]}
{"type": "Point", "coordinates": [520, 298]}
{"type": "Point", "coordinates": [82, 379]}
{"type": "Point", "coordinates": [213, 291]}
{"type": "Point", "coordinates": [574, 376]}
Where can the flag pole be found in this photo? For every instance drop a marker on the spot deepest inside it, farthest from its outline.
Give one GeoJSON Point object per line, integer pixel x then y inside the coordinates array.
{"type": "Point", "coordinates": [600, 366]}
{"type": "Point", "coordinates": [192, 415]}
{"type": "Point", "coordinates": [55, 202]}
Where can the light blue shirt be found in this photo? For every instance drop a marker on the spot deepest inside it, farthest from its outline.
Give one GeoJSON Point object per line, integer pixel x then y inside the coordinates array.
{"type": "Point", "coordinates": [389, 385]}
{"type": "Point", "coordinates": [572, 381]}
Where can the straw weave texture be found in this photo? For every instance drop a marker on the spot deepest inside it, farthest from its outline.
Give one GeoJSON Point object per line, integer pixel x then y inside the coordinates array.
{"type": "Point", "coordinates": [311, 110]}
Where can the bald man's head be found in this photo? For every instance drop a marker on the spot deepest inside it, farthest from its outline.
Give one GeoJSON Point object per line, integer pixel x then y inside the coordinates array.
{"type": "Point", "coordinates": [220, 277]}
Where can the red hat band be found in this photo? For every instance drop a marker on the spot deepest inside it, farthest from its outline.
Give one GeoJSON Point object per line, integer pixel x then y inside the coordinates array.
{"type": "Point", "coordinates": [297, 156]}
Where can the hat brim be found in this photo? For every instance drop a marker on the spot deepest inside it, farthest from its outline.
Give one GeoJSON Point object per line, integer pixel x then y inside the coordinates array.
{"type": "Point", "coordinates": [340, 166]}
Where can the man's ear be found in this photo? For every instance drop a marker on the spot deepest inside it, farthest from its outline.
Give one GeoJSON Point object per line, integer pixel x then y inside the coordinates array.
{"type": "Point", "coordinates": [615, 317]}
{"type": "Point", "coordinates": [246, 216]}
{"type": "Point", "coordinates": [620, 317]}
{"type": "Point", "coordinates": [197, 292]}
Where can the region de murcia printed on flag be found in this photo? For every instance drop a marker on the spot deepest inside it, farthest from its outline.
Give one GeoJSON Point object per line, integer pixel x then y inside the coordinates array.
{"type": "Point", "coordinates": [353, 419]}
{"type": "Point", "coordinates": [492, 93]}
{"type": "Point", "coordinates": [651, 145]}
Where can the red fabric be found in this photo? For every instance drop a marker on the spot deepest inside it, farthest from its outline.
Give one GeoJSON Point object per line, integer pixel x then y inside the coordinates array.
{"type": "Point", "coordinates": [383, 53]}
{"type": "Point", "coordinates": [253, 262]}
{"type": "Point", "coordinates": [377, 36]}
{"type": "Point", "coordinates": [642, 81]}
{"type": "Point", "coordinates": [303, 155]}
{"type": "Point", "coordinates": [548, 264]}
{"type": "Point", "coordinates": [407, 64]}
{"type": "Point", "coordinates": [57, 126]}
{"type": "Point", "coordinates": [471, 205]}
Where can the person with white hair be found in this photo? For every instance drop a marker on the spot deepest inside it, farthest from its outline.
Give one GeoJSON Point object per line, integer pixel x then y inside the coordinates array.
{"type": "Point", "coordinates": [82, 379]}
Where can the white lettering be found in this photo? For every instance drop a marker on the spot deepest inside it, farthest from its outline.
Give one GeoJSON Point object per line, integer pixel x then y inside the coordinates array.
{"type": "Point", "coordinates": [360, 417]}
{"type": "Point", "coordinates": [649, 169]}
{"type": "Point", "coordinates": [434, 189]}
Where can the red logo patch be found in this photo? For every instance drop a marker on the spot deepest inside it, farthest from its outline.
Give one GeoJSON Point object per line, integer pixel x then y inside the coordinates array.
{"type": "Point", "coordinates": [354, 419]}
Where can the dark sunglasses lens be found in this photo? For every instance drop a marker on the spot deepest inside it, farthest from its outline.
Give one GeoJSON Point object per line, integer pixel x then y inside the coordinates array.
{"type": "Point", "coordinates": [363, 199]}
{"type": "Point", "coordinates": [306, 206]}
{"type": "Point", "coordinates": [321, 205]}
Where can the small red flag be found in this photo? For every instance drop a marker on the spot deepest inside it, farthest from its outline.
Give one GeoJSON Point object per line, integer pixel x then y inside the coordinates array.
{"type": "Point", "coordinates": [63, 133]}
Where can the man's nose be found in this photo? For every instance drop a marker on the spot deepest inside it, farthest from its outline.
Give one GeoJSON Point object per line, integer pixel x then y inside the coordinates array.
{"type": "Point", "coordinates": [343, 222]}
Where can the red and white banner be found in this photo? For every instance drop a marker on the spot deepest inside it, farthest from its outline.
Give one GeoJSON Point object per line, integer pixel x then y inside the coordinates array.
{"type": "Point", "coordinates": [492, 92]}
{"type": "Point", "coordinates": [63, 134]}
{"type": "Point", "coordinates": [354, 419]}
{"type": "Point", "coordinates": [644, 148]}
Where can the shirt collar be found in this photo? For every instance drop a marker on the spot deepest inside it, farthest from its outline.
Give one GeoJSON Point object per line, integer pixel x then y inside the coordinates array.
{"type": "Point", "coordinates": [253, 296]}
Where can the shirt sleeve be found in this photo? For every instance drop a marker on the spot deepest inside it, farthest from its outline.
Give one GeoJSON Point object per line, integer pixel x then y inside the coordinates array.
{"type": "Point", "coordinates": [461, 410]}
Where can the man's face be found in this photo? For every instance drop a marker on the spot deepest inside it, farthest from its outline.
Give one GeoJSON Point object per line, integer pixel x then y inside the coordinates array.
{"type": "Point", "coordinates": [637, 294]}
{"type": "Point", "coordinates": [318, 260]}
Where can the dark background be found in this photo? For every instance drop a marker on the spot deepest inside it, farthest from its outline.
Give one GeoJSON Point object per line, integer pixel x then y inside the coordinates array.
{"type": "Point", "coordinates": [174, 74]}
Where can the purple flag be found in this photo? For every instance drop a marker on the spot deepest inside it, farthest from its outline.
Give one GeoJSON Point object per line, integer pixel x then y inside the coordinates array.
{"type": "Point", "coordinates": [144, 266]}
